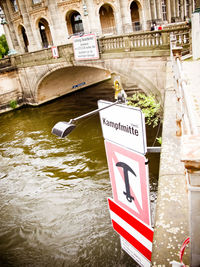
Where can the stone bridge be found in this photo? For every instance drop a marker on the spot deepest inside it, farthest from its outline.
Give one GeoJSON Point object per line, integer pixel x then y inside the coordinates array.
{"type": "Point", "coordinates": [140, 59]}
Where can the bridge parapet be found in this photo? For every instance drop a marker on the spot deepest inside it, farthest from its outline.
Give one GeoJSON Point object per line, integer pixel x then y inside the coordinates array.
{"type": "Point", "coordinates": [149, 40]}
{"type": "Point", "coordinates": [139, 42]}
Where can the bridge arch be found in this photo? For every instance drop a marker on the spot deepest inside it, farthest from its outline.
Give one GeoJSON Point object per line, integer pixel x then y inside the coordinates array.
{"type": "Point", "coordinates": [66, 79]}
{"type": "Point", "coordinates": [59, 81]}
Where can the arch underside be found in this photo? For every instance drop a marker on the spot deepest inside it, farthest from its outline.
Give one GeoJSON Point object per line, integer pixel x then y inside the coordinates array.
{"type": "Point", "coordinates": [68, 79]}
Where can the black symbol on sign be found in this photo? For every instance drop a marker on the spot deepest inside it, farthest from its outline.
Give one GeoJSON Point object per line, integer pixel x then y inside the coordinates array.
{"type": "Point", "coordinates": [126, 169]}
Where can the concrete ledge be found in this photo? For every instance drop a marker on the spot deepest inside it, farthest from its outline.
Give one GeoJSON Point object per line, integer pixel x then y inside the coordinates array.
{"type": "Point", "coordinates": [171, 220]}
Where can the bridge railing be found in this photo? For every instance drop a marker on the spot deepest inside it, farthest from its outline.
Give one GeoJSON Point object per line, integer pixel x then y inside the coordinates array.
{"type": "Point", "coordinates": [145, 40]}
{"type": "Point", "coordinates": [137, 41]}
{"type": "Point", "coordinates": [185, 115]}
{"type": "Point", "coordinates": [5, 62]}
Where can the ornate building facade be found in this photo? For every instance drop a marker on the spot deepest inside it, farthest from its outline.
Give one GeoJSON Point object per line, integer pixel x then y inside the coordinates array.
{"type": "Point", "coordinates": [37, 24]}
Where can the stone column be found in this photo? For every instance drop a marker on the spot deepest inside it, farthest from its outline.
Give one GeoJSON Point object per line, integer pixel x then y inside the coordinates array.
{"type": "Point", "coordinates": [153, 10]}
{"type": "Point", "coordinates": [190, 8]}
{"type": "Point", "coordinates": [26, 21]}
{"type": "Point", "coordinates": [191, 159]}
{"type": "Point", "coordinates": [182, 10]}
{"type": "Point", "coordinates": [125, 17]}
{"type": "Point", "coordinates": [158, 10]}
{"type": "Point", "coordinates": [57, 25]}
{"type": "Point", "coordinates": [93, 18]}
{"type": "Point", "coordinates": [169, 15]}
{"type": "Point", "coordinates": [197, 5]}
{"type": "Point", "coordinates": [8, 38]}
{"type": "Point", "coordinates": [172, 4]}
{"type": "Point", "coordinates": [13, 38]}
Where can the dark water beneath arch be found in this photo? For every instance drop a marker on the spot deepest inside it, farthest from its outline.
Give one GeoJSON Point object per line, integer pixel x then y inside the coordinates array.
{"type": "Point", "coordinates": [53, 192]}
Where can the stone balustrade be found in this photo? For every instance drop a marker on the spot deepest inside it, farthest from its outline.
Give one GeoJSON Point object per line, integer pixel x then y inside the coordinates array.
{"type": "Point", "coordinates": [145, 40]}
{"type": "Point", "coordinates": [138, 41]}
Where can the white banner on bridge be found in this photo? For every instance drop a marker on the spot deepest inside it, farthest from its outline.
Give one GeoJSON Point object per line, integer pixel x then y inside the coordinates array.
{"type": "Point", "coordinates": [85, 47]}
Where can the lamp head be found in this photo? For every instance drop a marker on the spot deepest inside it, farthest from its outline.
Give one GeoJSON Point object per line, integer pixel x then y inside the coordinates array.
{"type": "Point", "coordinates": [63, 128]}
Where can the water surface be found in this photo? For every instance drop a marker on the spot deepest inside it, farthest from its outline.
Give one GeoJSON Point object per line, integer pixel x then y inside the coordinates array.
{"type": "Point", "coordinates": [53, 192]}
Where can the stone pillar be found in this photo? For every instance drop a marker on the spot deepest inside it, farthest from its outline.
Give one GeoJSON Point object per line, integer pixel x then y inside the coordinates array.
{"type": "Point", "coordinates": [158, 10]}
{"type": "Point", "coordinates": [8, 38]}
{"type": "Point", "coordinates": [197, 5]}
{"type": "Point", "coordinates": [122, 19]}
{"type": "Point", "coordinates": [94, 20]}
{"type": "Point", "coordinates": [26, 21]}
{"type": "Point", "coordinates": [125, 17]}
{"type": "Point", "coordinates": [196, 31]}
{"type": "Point", "coordinates": [172, 4]}
{"type": "Point", "coordinates": [57, 25]}
{"type": "Point", "coordinates": [13, 38]}
{"type": "Point", "coordinates": [182, 10]}
{"type": "Point", "coordinates": [153, 9]}
{"type": "Point", "coordinates": [169, 15]}
{"type": "Point", "coordinates": [191, 159]}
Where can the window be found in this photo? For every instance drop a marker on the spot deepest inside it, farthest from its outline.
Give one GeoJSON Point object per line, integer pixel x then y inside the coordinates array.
{"type": "Point", "coordinates": [36, 1]}
{"type": "Point", "coordinates": [76, 22]}
{"type": "Point", "coordinates": [164, 10]}
{"type": "Point", "coordinates": [187, 8]}
{"type": "Point", "coordinates": [14, 5]}
{"type": "Point", "coordinates": [179, 8]}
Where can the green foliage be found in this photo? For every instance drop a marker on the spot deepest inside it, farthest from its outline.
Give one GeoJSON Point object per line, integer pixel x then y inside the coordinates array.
{"type": "Point", "coordinates": [13, 104]}
{"type": "Point", "coordinates": [3, 46]}
{"type": "Point", "coordinates": [149, 107]}
{"type": "Point", "coordinates": [159, 139]}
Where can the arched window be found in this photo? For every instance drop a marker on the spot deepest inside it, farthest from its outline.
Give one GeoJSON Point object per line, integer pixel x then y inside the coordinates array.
{"type": "Point", "coordinates": [107, 19]}
{"type": "Point", "coordinates": [76, 23]}
{"type": "Point", "coordinates": [14, 5]}
{"type": "Point", "coordinates": [164, 10]}
{"type": "Point", "coordinates": [36, 2]}
{"type": "Point", "coordinates": [45, 33]}
{"type": "Point", "coordinates": [25, 39]}
{"type": "Point", "coordinates": [135, 17]}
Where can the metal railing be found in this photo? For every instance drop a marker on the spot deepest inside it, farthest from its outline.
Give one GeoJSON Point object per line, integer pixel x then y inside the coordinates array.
{"type": "Point", "coordinates": [185, 112]}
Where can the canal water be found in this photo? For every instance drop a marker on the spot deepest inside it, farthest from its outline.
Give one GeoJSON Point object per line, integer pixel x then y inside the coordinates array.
{"type": "Point", "coordinates": [53, 192]}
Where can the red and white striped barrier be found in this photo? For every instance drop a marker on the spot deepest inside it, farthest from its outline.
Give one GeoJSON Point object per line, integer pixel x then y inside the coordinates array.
{"type": "Point", "coordinates": [138, 234]}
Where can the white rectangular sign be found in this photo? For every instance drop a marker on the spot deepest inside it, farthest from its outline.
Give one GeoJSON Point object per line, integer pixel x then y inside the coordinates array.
{"type": "Point", "coordinates": [85, 47]}
{"type": "Point", "coordinates": [54, 51]}
{"type": "Point", "coordinates": [124, 125]}
{"type": "Point", "coordinates": [136, 237]}
{"type": "Point", "coordinates": [134, 254]}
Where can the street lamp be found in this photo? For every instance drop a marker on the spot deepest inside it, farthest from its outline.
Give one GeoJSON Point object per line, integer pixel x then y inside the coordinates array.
{"type": "Point", "coordinates": [63, 128]}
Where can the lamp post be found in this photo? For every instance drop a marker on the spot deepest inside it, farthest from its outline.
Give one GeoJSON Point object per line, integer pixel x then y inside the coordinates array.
{"type": "Point", "coordinates": [63, 128]}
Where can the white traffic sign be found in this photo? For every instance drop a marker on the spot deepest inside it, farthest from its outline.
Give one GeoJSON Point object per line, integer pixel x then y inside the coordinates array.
{"type": "Point", "coordinates": [85, 47]}
{"type": "Point", "coordinates": [54, 51]}
{"type": "Point", "coordinates": [124, 125]}
{"type": "Point", "coordinates": [136, 237]}
{"type": "Point", "coordinates": [129, 178]}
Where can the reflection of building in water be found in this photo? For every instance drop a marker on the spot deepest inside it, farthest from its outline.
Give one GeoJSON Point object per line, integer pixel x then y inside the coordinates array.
{"type": "Point", "coordinates": [38, 24]}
